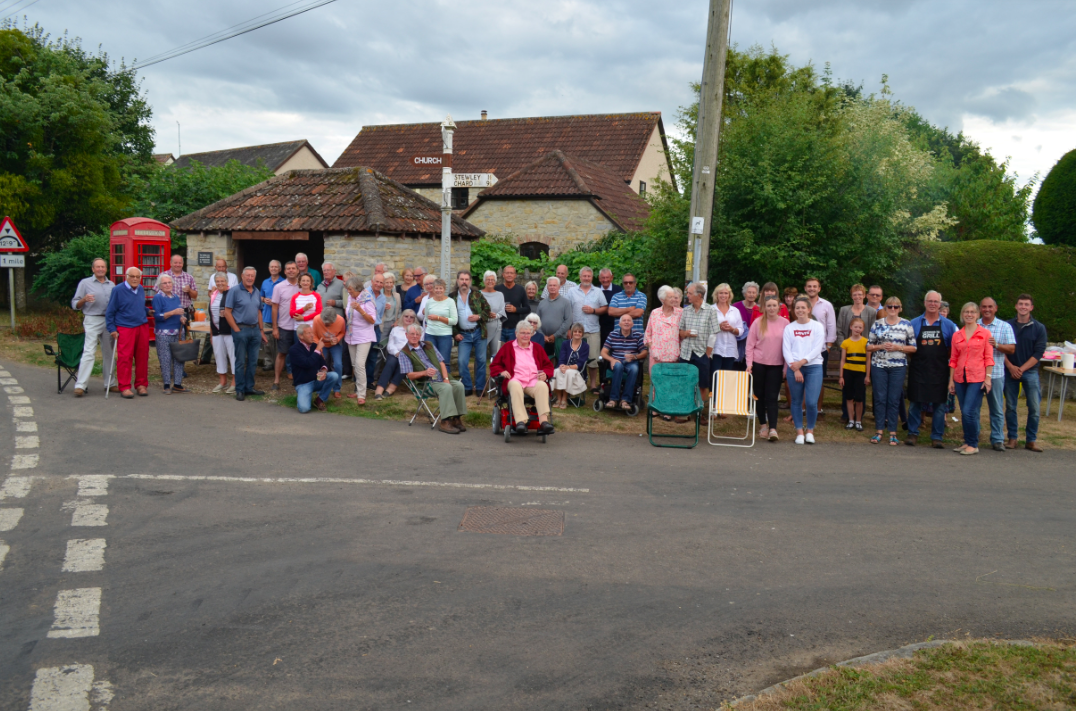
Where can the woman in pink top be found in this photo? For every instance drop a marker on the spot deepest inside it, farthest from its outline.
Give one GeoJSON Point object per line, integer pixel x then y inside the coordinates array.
{"type": "Point", "coordinates": [662, 336]}
{"type": "Point", "coordinates": [766, 362]}
{"type": "Point", "coordinates": [970, 360]}
{"type": "Point", "coordinates": [361, 314]}
{"type": "Point", "coordinates": [306, 305]}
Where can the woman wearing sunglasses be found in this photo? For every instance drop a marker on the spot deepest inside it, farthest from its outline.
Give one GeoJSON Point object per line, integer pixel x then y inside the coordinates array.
{"type": "Point", "coordinates": [891, 340]}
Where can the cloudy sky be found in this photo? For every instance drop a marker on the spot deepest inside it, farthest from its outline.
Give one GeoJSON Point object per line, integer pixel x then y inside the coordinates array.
{"type": "Point", "coordinates": [1003, 72]}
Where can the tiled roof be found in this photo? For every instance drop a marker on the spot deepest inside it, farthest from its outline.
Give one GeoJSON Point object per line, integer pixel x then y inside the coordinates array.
{"type": "Point", "coordinates": [503, 146]}
{"type": "Point", "coordinates": [558, 175]}
{"type": "Point", "coordinates": [272, 155]}
{"type": "Point", "coordinates": [330, 200]}
{"type": "Point", "coordinates": [164, 158]}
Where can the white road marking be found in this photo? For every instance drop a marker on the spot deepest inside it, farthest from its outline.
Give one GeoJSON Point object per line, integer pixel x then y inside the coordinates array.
{"type": "Point", "coordinates": [21, 426]}
{"type": "Point", "coordinates": [15, 487]}
{"type": "Point", "coordinates": [24, 461]}
{"type": "Point", "coordinates": [23, 411]}
{"type": "Point", "coordinates": [4, 374]}
{"type": "Point", "coordinates": [68, 688]}
{"type": "Point", "coordinates": [9, 518]}
{"type": "Point", "coordinates": [18, 399]}
{"type": "Point", "coordinates": [86, 514]}
{"type": "Point", "coordinates": [93, 484]}
{"type": "Point", "coordinates": [77, 613]}
{"type": "Point", "coordinates": [84, 555]}
{"type": "Point", "coordinates": [27, 442]}
{"type": "Point", "coordinates": [331, 480]}
{"type": "Point", "coordinates": [8, 381]}
{"type": "Point", "coordinates": [13, 390]}
{"type": "Point", "coordinates": [4, 549]}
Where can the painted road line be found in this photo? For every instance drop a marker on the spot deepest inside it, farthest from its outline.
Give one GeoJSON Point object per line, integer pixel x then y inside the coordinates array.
{"type": "Point", "coordinates": [23, 426]}
{"type": "Point", "coordinates": [13, 390]}
{"type": "Point", "coordinates": [15, 487]}
{"type": "Point", "coordinates": [9, 518]}
{"type": "Point", "coordinates": [68, 688]}
{"type": "Point", "coordinates": [8, 381]}
{"type": "Point", "coordinates": [77, 613]}
{"type": "Point", "coordinates": [83, 513]}
{"type": "Point", "coordinates": [24, 461]}
{"type": "Point", "coordinates": [18, 399]}
{"type": "Point", "coordinates": [84, 555]}
{"type": "Point", "coordinates": [27, 442]}
{"type": "Point", "coordinates": [331, 480]}
{"type": "Point", "coordinates": [93, 484]}
{"type": "Point", "coordinates": [23, 411]}
{"type": "Point", "coordinates": [4, 374]}
{"type": "Point", "coordinates": [4, 550]}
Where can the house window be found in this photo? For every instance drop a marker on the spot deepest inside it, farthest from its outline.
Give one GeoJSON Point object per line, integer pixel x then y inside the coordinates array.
{"type": "Point", "coordinates": [642, 187]}
{"type": "Point", "coordinates": [461, 198]}
{"type": "Point", "coordinates": [533, 250]}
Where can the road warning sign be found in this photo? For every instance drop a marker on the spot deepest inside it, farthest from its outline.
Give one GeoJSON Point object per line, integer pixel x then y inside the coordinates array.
{"type": "Point", "coordinates": [10, 239]}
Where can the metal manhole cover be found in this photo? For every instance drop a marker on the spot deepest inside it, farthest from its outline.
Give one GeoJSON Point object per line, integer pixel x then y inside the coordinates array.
{"type": "Point", "coordinates": [513, 521]}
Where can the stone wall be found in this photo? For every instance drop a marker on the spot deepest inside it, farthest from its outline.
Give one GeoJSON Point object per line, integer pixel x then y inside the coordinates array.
{"type": "Point", "coordinates": [558, 224]}
{"type": "Point", "coordinates": [359, 254]}
{"type": "Point", "coordinates": [221, 246]}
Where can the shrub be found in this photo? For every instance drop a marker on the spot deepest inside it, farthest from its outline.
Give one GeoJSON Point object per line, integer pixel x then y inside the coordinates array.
{"type": "Point", "coordinates": [62, 270]}
{"type": "Point", "coordinates": [969, 271]}
{"type": "Point", "coordinates": [1054, 213]}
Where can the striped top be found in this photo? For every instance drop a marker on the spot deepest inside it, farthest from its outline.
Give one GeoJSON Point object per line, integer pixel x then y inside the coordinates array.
{"type": "Point", "coordinates": [620, 345]}
{"type": "Point", "coordinates": [855, 354]}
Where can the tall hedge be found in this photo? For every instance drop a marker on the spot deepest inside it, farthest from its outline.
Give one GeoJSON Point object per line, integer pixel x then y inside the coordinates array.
{"type": "Point", "coordinates": [969, 271]}
{"type": "Point", "coordinates": [1054, 214]}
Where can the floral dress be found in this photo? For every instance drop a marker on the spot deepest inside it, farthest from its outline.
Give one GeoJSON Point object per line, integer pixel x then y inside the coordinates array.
{"type": "Point", "coordinates": [662, 336]}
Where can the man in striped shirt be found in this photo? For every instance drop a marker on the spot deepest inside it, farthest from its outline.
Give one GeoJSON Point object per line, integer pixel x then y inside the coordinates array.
{"type": "Point", "coordinates": [624, 351]}
{"type": "Point", "coordinates": [631, 301]}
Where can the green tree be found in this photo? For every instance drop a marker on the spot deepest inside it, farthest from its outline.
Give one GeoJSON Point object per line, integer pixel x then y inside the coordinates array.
{"type": "Point", "coordinates": [1055, 205]}
{"type": "Point", "coordinates": [61, 270]}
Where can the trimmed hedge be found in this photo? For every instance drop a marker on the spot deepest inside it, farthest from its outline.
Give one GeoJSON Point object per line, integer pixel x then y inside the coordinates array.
{"type": "Point", "coordinates": [969, 271]}
{"type": "Point", "coordinates": [1054, 214]}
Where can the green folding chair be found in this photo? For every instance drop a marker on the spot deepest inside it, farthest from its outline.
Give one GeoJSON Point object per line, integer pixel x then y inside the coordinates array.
{"type": "Point", "coordinates": [68, 356]}
{"type": "Point", "coordinates": [423, 392]}
{"type": "Point", "coordinates": [674, 391]}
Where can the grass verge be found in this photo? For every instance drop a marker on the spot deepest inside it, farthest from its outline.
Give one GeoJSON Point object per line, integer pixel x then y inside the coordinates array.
{"type": "Point", "coordinates": [980, 674]}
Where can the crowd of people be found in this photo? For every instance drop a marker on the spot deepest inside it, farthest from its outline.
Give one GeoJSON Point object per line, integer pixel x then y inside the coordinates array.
{"type": "Point", "coordinates": [323, 328]}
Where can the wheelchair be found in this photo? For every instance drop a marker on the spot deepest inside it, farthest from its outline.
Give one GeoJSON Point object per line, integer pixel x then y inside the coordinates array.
{"type": "Point", "coordinates": [606, 387]}
{"type": "Point", "coordinates": [503, 421]}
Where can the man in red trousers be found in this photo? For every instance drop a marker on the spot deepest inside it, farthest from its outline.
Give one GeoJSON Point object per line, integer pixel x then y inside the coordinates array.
{"type": "Point", "coordinates": [126, 320]}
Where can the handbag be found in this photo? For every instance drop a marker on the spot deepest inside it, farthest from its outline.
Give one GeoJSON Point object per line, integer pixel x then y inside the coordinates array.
{"type": "Point", "coordinates": [184, 350]}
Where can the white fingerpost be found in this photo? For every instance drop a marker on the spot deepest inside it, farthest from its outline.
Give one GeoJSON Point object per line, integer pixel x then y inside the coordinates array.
{"type": "Point", "coordinates": [446, 198]}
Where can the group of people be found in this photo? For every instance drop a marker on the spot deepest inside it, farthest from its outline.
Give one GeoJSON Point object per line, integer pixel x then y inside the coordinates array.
{"type": "Point", "coordinates": [323, 328]}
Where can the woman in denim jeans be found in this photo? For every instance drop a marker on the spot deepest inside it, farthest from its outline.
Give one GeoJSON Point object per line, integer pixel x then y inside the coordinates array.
{"type": "Point", "coordinates": [801, 346]}
{"type": "Point", "coordinates": [971, 361]}
{"type": "Point", "coordinates": [891, 340]}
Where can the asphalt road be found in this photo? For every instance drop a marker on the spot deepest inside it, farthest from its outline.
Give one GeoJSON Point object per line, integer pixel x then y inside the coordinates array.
{"type": "Point", "coordinates": [682, 577]}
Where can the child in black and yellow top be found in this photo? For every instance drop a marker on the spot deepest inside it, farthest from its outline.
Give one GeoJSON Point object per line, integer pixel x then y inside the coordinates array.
{"type": "Point", "coordinates": [854, 376]}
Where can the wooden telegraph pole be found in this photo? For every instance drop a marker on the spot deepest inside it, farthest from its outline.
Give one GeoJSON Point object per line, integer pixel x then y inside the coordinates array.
{"type": "Point", "coordinates": [446, 199]}
{"type": "Point", "coordinates": [709, 128]}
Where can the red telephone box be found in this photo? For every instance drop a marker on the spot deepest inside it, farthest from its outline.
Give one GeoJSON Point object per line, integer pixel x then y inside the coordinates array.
{"type": "Point", "coordinates": [143, 243]}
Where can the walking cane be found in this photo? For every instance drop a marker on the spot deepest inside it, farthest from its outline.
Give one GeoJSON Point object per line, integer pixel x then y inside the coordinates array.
{"type": "Point", "coordinates": [108, 378]}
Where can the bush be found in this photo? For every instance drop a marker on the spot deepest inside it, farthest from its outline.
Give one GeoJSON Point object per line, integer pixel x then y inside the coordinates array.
{"type": "Point", "coordinates": [62, 270]}
{"type": "Point", "coordinates": [1054, 213]}
{"type": "Point", "coordinates": [494, 253]}
{"type": "Point", "coordinates": [969, 271]}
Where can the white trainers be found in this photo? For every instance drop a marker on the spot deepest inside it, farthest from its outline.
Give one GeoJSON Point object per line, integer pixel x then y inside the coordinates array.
{"type": "Point", "coordinates": [218, 388]}
{"type": "Point", "coordinates": [810, 438]}
{"type": "Point", "coordinates": [799, 439]}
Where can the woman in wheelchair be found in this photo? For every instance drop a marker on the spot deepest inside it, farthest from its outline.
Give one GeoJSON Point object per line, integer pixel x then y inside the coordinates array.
{"type": "Point", "coordinates": [526, 370]}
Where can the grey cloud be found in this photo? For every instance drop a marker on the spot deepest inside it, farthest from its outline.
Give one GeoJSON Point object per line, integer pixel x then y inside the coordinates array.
{"type": "Point", "coordinates": [1008, 103]}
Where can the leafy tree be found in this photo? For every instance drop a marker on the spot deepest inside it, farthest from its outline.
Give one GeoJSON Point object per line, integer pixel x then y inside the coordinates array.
{"type": "Point", "coordinates": [1055, 205]}
{"type": "Point", "coordinates": [60, 271]}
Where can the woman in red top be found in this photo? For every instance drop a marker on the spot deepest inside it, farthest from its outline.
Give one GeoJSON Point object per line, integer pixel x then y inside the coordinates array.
{"type": "Point", "coordinates": [306, 305]}
{"type": "Point", "coordinates": [970, 363]}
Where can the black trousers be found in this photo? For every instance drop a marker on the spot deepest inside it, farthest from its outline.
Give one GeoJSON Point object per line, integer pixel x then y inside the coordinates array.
{"type": "Point", "coordinates": [767, 386]}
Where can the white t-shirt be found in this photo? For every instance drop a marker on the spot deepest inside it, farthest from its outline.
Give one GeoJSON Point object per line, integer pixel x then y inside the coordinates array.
{"type": "Point", "coordinates": [804, 341]}
{"type": "Point", "coordinates": [724, 342]}
{"type": "Point", "coordinates": [233, 280]}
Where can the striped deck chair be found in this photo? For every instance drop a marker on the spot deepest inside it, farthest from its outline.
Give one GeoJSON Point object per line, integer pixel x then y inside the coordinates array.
{"type": "Point", "coordinates": [732, 395]}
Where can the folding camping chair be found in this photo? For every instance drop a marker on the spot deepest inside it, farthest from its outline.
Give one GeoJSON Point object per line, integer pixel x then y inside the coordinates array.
{"type": "Point", "coordinates": [731, 395]}
{"type": "Point", "coordinates": [423, 392]}
{"type": "Point", "coordinates": [70, 347]}
{"type": "Point", "coordinates": [674, 391]}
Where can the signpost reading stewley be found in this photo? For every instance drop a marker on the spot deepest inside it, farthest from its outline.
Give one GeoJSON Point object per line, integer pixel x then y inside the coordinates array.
{"type": "Point", "coordinates": [11, 241]}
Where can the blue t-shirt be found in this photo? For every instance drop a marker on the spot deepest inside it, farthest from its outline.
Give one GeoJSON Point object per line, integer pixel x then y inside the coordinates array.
{"type": "Point", "coordinates": [267, 293]}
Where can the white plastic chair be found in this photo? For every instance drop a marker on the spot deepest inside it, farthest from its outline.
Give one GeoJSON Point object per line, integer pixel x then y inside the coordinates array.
{"type": "Point", "coordinates": [731, 394]}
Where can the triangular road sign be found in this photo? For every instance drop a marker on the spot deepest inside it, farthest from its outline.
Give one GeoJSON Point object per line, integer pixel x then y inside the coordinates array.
{"type": "Point", "coordinates": [10, 239]}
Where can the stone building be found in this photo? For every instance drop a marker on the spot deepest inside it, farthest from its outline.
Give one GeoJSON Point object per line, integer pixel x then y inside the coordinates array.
{"type": "Point", "coordinates": [556, 203]}
{"type": "Point", "coordinates": [277, 157]}
{"type": "Point", "coordinates": [631, 147]}
{"type": "Point", "coordinates": [353, 217]}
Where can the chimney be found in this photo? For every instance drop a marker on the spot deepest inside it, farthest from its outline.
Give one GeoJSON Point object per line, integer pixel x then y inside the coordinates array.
{"type": "Point", "coordinates": [484, 114]}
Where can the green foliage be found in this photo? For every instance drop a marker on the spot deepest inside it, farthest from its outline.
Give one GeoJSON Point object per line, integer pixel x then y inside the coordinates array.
{"type": "Point", "coordinates": [494, 253]}
{"type": "Point", "coordinates": [62, 270]}
{"type": "Point", "coordinates": [71, 128]}
{"type": "Point", "coordinates": [168, 193]}
{"type": "Point", "coordinates": [1055, 205]}
{"type": "Point", "coordinates": [969, 271]}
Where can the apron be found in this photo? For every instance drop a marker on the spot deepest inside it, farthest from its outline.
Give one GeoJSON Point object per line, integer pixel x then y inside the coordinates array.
{"type": "Point", "coordinates": [928, 377]}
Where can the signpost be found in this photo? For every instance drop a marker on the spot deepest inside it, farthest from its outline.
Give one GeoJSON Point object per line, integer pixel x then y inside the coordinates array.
{"type": "Point", "coordinates": [446, 199]}
{"type": "Point", "coordinates": [11, 242]}
{"type": "Point", "coordinates": [473, 180]}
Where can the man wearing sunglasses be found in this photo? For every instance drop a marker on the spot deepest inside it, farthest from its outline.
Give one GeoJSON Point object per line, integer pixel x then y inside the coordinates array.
{"type": "Point", "coordinates": [631, 301]}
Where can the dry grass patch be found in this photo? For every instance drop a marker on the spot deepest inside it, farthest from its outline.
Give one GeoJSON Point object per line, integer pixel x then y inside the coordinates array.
{"type": "Point", "coordinates": [979, 674]}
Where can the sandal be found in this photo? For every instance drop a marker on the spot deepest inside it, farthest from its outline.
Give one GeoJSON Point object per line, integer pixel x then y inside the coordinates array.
{"type": "Point", "coordinates": [876, 439]}
{"type": "Point", "coordinates": [625, 405]}
{"type": "Point", "coordinates": [610, 405]}
{"type": "Point", "coordinates": [361, 401]}
{"type": "Point", "coordinates": [893, 440]}
{"type": "Point", "coordinates": [667, 418]}
{"type": "Point", "coordinates": [378, 397]}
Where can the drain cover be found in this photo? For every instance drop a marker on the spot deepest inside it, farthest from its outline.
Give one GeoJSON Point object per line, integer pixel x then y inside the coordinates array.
{"type": "Point", "coordinates": [513, 521]}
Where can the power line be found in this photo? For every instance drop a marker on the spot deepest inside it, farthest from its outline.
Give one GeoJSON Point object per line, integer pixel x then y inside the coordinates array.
{"type": "Point", "coordinates": [15, 12]}
{"type": "Point", "coordinates": [234, 31]}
